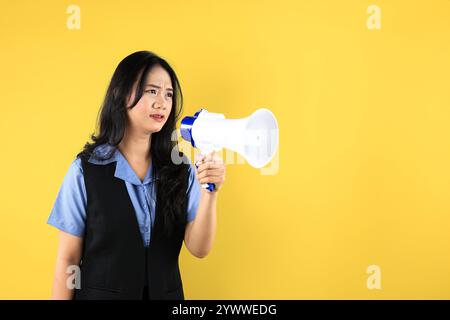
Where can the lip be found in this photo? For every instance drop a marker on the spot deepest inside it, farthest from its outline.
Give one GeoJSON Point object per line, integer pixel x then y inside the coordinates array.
{"type": "Point", "coordinates": [157, 117]}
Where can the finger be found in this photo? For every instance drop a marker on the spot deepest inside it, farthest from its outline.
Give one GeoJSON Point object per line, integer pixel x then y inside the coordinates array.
{"type": "Point", "coordinates": [208, 173]}
{"type": "Point", "coordinates": [211, 173]}
{"type": "Point", "coordinates": [212, 180]}
{"type": "Point", "coordinates": [214, 159]}
{"type": "Point", "coordinates": [199, 159]}
{"type": "Point", "coordinates": [209, 165]}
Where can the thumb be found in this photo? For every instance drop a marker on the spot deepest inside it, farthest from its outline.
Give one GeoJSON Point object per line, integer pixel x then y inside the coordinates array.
{"type": "Point", "coordinates": [199, 158]}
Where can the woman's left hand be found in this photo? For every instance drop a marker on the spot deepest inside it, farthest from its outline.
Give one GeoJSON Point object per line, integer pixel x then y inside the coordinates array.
{"type": "Point", "coordinates": [211, 169]}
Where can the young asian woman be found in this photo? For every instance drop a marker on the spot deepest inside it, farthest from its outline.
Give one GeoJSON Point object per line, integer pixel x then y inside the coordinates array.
{"type": "Point", "coordinates": [125, 206]}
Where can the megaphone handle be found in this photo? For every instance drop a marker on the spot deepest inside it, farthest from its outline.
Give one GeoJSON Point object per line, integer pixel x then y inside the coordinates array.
{"type": "Point", "coordinates": [208, 186]}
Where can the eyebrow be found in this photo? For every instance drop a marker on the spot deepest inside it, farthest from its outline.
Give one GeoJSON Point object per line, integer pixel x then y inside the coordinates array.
{"type": "Point", "coordinates": [157, 87]}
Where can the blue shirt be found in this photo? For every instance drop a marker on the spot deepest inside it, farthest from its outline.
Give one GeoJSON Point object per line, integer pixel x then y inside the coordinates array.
{"type": "Point", "coordinates": [69, 211]}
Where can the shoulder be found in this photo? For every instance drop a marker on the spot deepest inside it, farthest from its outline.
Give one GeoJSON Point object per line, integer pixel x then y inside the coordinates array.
{"type": "Point", "coordinates": [74, 179]}
{"type": "Point", "coordinates": [75, 168]}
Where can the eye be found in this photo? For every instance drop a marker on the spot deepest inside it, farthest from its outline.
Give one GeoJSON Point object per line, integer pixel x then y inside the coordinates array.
{"type": "Point", "coordinates": [169, 94]}
{"type": "Point", "coordinates": [153, 91]}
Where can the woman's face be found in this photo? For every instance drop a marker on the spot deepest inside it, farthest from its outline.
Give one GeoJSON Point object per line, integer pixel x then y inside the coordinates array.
{"type": "Point", "coordinates": [151, 112]}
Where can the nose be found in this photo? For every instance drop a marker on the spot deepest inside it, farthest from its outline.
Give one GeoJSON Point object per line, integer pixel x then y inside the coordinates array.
{"type": "Point", "coordinates": [159, 102]}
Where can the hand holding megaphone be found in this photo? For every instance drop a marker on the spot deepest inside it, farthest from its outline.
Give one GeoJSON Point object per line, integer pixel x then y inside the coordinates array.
{"type": "Point", "coordinates": [210, 170]}
{"type": "Point", "coordinates": [254, 137]}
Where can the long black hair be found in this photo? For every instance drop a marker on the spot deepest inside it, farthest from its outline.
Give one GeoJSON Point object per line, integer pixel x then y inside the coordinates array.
{"type": "Point", "coordinates": [170, 178]}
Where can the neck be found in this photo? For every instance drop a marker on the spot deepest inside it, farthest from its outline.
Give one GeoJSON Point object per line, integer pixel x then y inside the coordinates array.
{"type": "Point", "coordinates": [135, 146]}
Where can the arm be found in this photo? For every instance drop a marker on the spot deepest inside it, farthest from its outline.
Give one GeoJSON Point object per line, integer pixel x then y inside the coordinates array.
{"type": "Point", "coordinates": [69, 253]}
{"type": "Point", "coordinates": [200, 233]}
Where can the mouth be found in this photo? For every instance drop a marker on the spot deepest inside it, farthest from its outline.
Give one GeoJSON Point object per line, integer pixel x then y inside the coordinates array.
{"type": "Point", "coordinates": [157, 117]}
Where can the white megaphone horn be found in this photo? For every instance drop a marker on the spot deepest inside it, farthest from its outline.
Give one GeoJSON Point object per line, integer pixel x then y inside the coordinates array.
{"type": "Point", "coordinates": [254, 137]}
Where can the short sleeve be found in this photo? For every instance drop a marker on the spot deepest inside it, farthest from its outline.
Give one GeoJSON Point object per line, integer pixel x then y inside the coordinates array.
{"type": "Point", "coordinates": [69, 211]}
{"type": "Point", "coordinates": [193, 192]}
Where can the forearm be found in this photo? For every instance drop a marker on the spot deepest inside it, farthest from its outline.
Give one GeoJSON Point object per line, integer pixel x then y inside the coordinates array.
{"type": "Point", "coordinates": [203, 230]}
{"type": "Point", "coordinates": [60, 290]}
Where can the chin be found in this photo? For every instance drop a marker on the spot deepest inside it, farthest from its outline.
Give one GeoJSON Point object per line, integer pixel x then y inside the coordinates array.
{"type": "Point", "coordinates": [154, 129]}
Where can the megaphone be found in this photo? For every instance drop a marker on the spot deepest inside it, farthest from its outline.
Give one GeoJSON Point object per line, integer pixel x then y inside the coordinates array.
{"type": "Point", "coordinates": [254, 137]}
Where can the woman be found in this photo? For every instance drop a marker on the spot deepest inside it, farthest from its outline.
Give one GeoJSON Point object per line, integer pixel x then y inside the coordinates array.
{"type": "Point", "coordinates": [125, 205]}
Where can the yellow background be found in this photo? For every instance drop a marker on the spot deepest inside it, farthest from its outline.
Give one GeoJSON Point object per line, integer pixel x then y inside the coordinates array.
{"type": "Point", "coordinates": [364, 137]}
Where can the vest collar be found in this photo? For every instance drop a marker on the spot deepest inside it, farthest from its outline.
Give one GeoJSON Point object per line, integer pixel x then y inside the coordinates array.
{"type": "Point", "coordinates": [106, 154]}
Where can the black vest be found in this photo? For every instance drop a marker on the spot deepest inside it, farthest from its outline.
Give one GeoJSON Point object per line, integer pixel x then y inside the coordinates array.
{"type": "Point", "coordinates": [114, 257]}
